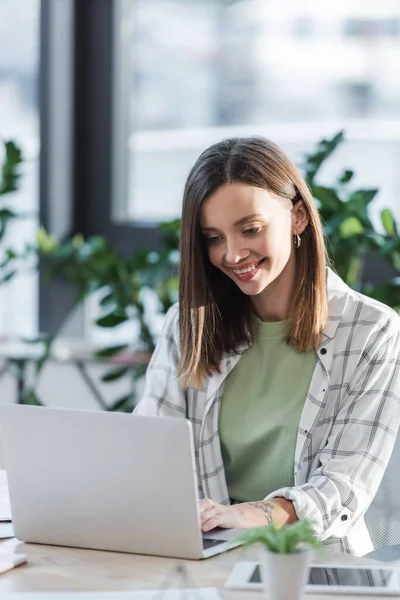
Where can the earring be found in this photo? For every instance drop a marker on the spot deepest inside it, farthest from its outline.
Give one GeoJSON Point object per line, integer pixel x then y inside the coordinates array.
{"type": "Point", "coordinates": [297, 241]}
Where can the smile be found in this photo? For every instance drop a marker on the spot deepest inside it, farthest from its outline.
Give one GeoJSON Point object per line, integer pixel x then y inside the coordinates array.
{"type": "Point", "coordinates": [241, 271]}
{"type": "Point", "coordinates": [248, 269]}
{"type": "Point", "coordinates": [248, 272]}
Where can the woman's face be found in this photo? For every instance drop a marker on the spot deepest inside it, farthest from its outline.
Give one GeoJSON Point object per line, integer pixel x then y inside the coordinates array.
{"type": "Point", "coordinates": [249, 234]}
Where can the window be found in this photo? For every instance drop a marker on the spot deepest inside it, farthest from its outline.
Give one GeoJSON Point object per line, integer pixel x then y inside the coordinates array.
{"type": "Point", "coordinates": [19, 121]}
{"type": "Point", "coordinates": [190, 73]}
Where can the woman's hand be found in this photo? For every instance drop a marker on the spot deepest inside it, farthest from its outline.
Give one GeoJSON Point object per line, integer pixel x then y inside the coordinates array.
{"type": "Point", "coordinates": [246, 514]}
{"type": "Point", "coordinates": [236, 516]}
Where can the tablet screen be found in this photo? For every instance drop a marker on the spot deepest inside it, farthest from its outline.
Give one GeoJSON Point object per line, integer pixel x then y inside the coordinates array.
{"type": "Point", "coordinates": [360, 577]}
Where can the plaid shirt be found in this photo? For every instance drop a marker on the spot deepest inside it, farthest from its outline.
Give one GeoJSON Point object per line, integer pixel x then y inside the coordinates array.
{"type": "Point", "coordinates": [348, 424]}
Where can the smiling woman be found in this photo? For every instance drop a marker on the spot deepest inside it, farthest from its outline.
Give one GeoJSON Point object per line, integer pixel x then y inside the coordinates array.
{"type": "Point", "coordinates": [251, 205]}
{"type": "Point", "coordinates": [290, 378]}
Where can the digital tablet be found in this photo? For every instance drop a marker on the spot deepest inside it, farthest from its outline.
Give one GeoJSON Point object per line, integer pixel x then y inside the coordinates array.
{"type": "Point", "coordinates": [335, 579]}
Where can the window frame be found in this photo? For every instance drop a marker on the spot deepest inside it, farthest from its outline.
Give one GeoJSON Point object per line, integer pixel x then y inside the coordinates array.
{"type": "Point", "coordinates": [80, 134]}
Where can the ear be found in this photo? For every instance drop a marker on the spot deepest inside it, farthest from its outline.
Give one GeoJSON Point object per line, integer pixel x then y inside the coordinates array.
{"type": "Point", "coordinates": [300, 218]}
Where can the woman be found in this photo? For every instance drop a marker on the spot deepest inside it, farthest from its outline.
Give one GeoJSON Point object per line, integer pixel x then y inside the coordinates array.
{"type": "Point", "coordinates": [290, 378]}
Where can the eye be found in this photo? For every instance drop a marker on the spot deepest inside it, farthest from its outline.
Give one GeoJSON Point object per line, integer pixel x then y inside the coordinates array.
{"type": "Point", "coordinates": [214, 239]}
{"type": "Point", "coordinates": [252, 231]}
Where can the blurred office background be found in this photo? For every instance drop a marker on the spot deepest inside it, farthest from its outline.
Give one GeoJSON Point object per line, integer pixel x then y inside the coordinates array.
{"type": "Point", "coordinates": [111, 102]}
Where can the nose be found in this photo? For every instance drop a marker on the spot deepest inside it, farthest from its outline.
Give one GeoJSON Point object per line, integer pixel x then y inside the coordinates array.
{"type": "Point", "coordinates": [234, 252]}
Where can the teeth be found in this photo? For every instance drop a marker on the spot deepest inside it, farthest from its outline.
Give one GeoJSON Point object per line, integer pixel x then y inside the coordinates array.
{"type": "Point", "coordinates": [242, 271]}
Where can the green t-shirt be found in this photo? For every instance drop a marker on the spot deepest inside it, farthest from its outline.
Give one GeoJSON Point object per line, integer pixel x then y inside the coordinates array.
{"type": "Point", "coordinates": [261, 406]}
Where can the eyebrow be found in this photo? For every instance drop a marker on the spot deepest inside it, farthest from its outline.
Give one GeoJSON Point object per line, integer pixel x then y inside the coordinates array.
{"type": "Point", "coordinates": [237, 223]}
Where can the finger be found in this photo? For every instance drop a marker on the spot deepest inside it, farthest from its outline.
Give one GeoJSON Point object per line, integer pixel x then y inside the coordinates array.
{"type": "Point", "coordinates": [208, 506]}
{"type": "Point", "coordinates": [225, 517]}
{"type": "Point", "coordinates": [206, 503]}
{"type": "Point", "coordinates": [211, 523]}
{"type": "Point", "coordinates": [208, 514]}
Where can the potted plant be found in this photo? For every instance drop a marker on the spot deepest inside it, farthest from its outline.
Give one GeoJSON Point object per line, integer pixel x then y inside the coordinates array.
{"type": "Point", "coordinates": [285, 557]}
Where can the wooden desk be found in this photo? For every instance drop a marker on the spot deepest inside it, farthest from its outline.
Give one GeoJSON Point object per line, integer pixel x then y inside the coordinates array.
{"type": "Point", "coordinates": [52, 568]}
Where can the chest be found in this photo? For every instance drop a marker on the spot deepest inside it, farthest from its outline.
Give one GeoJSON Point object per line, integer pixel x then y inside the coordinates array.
{"type": "Point", "coordinates": [329, 379]}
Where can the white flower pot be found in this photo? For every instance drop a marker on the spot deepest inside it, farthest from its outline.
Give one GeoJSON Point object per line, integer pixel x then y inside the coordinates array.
{"type": "Point", "coordinates": [285, 575]}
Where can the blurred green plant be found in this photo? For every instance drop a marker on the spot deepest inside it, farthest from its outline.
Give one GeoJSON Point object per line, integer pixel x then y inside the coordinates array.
{"type": "Point", "coordinates": [351, 235]}
{"type": "Point", "coordinates": [9, 171]}
{"type": "Point", "coordinates": [10, 259]}
{"type": "Point", "coordinates": [287, 539]}
{"type": "Point", "coordinates": [8, 183]}
{"type": "Point", "coordinates": [94, 265]}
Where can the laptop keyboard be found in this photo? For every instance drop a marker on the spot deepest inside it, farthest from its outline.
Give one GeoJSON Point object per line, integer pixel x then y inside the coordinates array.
{"type": "Point", "coordinates": [209, 543]}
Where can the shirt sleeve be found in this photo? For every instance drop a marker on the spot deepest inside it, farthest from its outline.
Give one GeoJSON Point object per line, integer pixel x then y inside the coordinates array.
{"type": "Point", "coordinates": [359, 446]}
{"type": "Point", "coordinates": [163, 395]}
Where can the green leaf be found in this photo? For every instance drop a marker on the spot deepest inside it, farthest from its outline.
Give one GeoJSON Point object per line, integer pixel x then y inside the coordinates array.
{"type": "Point", "coordinates": [346, 176]}
{"type": "Point", "coordinates": [115, 374]}
{"type": "Point", "coordinates": [327, 197]}
{"type": "Point", "coordinates": [110, 351]}
{"type": "Point", "coordinates": [354, 272]}
{"type": "Point", "coordinates": [139, 371]}
{"type": "Point", "coordinates": [171, 234]}
{"type": "Point", "coordinates": [48, 343]}
{"type": "Point", "coordinates": [111, 320]}
{"type": "Point", "coordinates": [31, 398]}
{"type": "Point", "coordinates": [9, 170]}
{"type": "Point", "coordinates": [46, 243]}
{"type": "Point", "coordinates": [8, 276]}
{"type": "Point", "coordinates": [124, 404]}
{"type": "Point", "coordinates": [323, 151]}
{"type": "Point", "coordinates": [9, 258]}
{"type": "Point", "coordinates": [350, 227]}
{"type": "Point", "coordinates": [357, 205]}
{"type": "Point", "coordinates": [107, 299]}
{"type": "Point", "coordinates": [332, 224]}
{"type": "Point", "coordinates": [363, 196]}
{"type": "Point", "coordinates": [78, 240]}
{"type": "Point", "coordinates": [395, 260]}
{"type": "Point", "coordinates": [284, 540]}
{"type": "Point", "coordinates": [6, 214]}
{"type": "Point", "coordinates": [388, 222]}
{"type": "Point", "coordinates": [97, 243]}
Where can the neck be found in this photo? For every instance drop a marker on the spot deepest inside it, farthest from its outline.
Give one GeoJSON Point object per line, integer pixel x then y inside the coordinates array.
{"type": "Point", "coordinates": [274, 303]}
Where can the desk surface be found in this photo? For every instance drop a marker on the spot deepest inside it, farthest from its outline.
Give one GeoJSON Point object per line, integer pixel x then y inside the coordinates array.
{"type": "Point", "coordinates": [52, 568]}
{"type": "Point", "coordinates": [60, 569]}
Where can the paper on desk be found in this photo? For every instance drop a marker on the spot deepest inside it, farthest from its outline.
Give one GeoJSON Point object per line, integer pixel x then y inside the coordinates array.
{"type": "Point", "coordinates": [9, 560]}
{"type": "Point", "coordinates": [169, 594]}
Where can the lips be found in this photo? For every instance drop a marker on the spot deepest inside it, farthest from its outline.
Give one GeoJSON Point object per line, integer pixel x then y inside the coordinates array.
{"type": "Point", "coordinates": [247, 267]}
{"type": "Point", "coordinates": [247, 271]}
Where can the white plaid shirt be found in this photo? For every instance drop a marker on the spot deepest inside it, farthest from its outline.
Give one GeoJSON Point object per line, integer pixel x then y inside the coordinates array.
{"type": "Point", "coordinates": [347, 427]}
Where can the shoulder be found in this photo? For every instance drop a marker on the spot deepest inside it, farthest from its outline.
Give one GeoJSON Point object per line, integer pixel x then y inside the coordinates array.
{"type": "Point", "coordinates": [360, 315]}
{"type": "Point", "coordinates": [170, 329]}
{"type": "Point", "coordinates": [172, 316]}
{"type": "Point", "coordinates": [166, 351]}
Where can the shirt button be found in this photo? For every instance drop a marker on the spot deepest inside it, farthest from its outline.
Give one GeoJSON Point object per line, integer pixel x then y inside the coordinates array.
{"type": "Point", "coordinates": [344, 517]}
{"type": "Point", "coordinates": [323, 351]}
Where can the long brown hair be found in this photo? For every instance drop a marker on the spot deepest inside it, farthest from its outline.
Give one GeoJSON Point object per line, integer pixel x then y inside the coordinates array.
{"type": "Point", "coordinates": [214, 315]}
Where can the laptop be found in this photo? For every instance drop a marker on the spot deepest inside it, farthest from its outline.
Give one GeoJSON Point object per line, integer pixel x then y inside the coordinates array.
{"type": "Point", "coordinates": [105, 481]}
